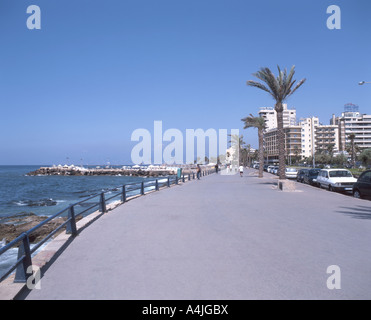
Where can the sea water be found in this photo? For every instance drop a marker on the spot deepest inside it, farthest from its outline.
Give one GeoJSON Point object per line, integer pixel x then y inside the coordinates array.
{"type": "Point", "coordinates": [46, 195]}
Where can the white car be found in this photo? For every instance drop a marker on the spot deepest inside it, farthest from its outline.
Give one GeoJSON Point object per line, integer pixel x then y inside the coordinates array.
{"type": "Point", "coordinates": [336, 179]}
{"type": "Point", "coordinates": [291, 173]}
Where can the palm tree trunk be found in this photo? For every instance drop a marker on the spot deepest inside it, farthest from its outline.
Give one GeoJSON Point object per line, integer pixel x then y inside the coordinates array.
{"type": "Point", "coordinates": [281, 142]}
{"type": "Point", "coordinates": [261, 152]}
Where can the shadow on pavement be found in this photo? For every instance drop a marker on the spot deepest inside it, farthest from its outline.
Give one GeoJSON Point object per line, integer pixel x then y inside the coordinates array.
{"type": "Point", "coordinates": [273, 183]}
{"type": "Point", "coordinates": [358, 212]}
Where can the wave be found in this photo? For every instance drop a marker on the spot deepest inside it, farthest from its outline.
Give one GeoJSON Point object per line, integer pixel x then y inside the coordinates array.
{"type": "Point", "coordinates": [37, 203]}
{"type": "Point", "coordinates": [10, 257]}
{"type": "Point", "coordinates": [20, 203]}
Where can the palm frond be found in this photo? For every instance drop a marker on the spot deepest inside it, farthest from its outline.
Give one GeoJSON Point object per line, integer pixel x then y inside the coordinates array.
{"type": "Point", "coordinates": [296, 87]}
{"type": "Point", "coordinates": [266, 75]}
{"type": "Point", "coordinates": [280, 87]}
{"type": "Point", "coordinates": [254, 122]}
{"type": "Point", "coordinates": [255, 84]}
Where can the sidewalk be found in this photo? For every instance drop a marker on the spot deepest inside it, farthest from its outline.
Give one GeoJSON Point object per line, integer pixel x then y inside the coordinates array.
{"type": "Point", "coordinates": [223, 237]}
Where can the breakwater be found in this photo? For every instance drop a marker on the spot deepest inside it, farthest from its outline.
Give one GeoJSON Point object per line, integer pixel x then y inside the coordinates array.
{"type": "Point", "coordinates": [151, 171]}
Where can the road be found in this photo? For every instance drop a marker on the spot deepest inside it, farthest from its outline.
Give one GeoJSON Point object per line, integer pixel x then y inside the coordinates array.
{"type": "Point", "coordinates": [223, 237]}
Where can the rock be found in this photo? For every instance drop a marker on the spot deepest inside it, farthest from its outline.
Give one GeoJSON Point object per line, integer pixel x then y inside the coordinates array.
{"type": "Point", "coordinates": [7, 232]}
{"type": "Point", "coordinates": [16, 225]}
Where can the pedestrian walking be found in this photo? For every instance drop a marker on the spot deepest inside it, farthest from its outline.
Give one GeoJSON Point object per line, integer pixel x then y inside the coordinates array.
{"type": "Point", "coordinates": [216, 168]}
{"type": "Point", "coordinates": [198, 172]}
{"type": "Point", "coordinates": [241, 171]}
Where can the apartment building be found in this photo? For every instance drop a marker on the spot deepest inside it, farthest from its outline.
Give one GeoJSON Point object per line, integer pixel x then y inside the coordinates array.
{"type": "Point", "coordinates": [270, 116]}
{"type": "Point", "coordinates": [292, 142]}
{"type": "Point", "coordinates": [353, 122]}
{"type": "Point", "coordinates": [303, 140]}
{"type": "Point", "coordinates": [310, 136]}
{"type": "Point", "coordinates": [308, 127]}
{"type": "Point", "coordinates": [327, 138]}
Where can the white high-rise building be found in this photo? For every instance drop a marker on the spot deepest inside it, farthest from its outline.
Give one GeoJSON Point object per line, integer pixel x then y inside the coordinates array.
{"type": "Point", "coordinates": [316, 137]}
{"type": "Point", "coordinates": [308, 128]}
{"type": "Point", "coordinates": [327, 138]}
{"type": "Point", "coordinates": [270, 116]}
{"type": "Point", "coordinates": [353, 122]}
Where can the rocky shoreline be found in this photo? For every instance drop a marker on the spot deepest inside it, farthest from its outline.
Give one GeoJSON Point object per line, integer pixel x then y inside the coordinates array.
{"type": "Point", "coordinates": [13, 226]}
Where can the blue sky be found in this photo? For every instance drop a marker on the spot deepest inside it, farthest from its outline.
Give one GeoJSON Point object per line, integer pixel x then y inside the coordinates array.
{"type": "Point", "coordinates": [98, 70]}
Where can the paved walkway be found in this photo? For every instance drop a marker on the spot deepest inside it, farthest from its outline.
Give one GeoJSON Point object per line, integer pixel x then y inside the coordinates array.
{"type": "Point", "coordinates": [223, 237]}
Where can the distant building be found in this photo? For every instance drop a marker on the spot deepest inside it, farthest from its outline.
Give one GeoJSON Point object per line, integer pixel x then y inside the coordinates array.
{"type": "Point", "coordinates": [353, 122]}
{"type": "Point", "coordinates": [270, 116]}
{"type": "Point", "coordinates": [292, 142]}
{"type": "Point", "coordinates": [232, 155]}
{"type": "Point", "coordinates": [327, 138]}
{"type": "Point", "coordinates": [308, 128]}
{"type": "Point", "coordinates": [310, 136]}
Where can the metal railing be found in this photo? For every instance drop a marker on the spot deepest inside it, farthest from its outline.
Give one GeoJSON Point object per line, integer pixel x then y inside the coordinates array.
{"type": "Point", "coordinates": [127, 191]}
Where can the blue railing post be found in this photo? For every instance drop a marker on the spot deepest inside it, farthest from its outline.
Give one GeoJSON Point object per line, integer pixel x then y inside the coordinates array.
{"type": "Point", "coordinates": [71, 225]}
{"type": "Point", "coordinates": [142, 188]}
{"type": "Point", "coordinates": [103, 208]}
{"type": "Point", "coordinates": [168, 182]}
{"type": "Point", "coordinates": [24, 251]}
{"type": "Point", "coordinates": [123, 195]}
{"type": "Point", "coordinates": [176, 180]}
{"type": "Point", "coordinates": [157, 185]}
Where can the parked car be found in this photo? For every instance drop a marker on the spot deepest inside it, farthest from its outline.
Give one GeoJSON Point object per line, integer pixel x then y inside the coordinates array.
{"type": "Point", "coordinates": [275, 170]}
{"type": "Point", "coordinates": [336, 179]}
{"type": "Point", "coordinates": [310, 177]}
{"type": "Point", "coordinates": [291, 173]}
{"type": "Point", "coordinates": [362, 188]}
{"type": "Point", "coordinates": [270, 168]}
{"type": "Point", "coordinates": [301, 173]}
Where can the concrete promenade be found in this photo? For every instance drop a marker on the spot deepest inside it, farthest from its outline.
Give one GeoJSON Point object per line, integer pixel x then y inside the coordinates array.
{"type": "Point", "coordinates": [223, 237]}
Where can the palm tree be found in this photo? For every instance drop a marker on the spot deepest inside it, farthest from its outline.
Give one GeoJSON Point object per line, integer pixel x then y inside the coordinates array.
{"type": "Point", "coordinates": [352, 148]}
{"type": "Point", "coordinates": [248, 155]}
{"type": "Point", "coordinates": [296, 154]}
{"type": "Point", "coordinates": [365, 156]}
{"type": "Point", "coordinates": [259, 123]}
{"type": "Point", "coordinates": [280, 88]}
{"type": "Point", "coordinates": [237, 142]}
{"type": "Point", "coordinates": [330, 151]}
